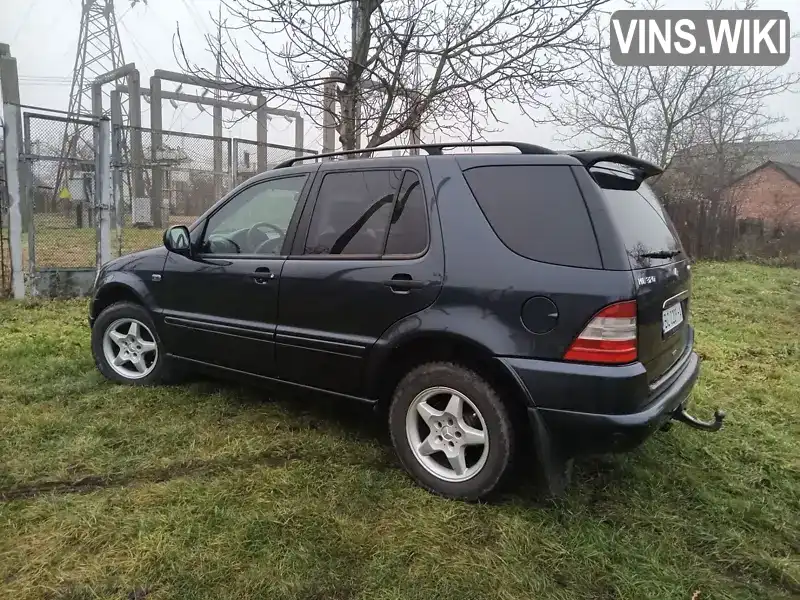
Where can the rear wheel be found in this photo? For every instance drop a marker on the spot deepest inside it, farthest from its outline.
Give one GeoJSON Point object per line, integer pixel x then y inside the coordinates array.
{"type": "Point", "coordinates": [451, 431]}
{"type": "Point", "coordinates": [126, 346]}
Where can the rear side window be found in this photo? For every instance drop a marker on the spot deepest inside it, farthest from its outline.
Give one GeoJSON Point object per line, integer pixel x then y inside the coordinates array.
{"type": "Point", "coordinates": [408, 232]}
{"type": "Point", "coordinates": [537, 211]}
{"type": "Point", "coordinates": [644, 226]}
{"type": "Point", "coordinates": [352, 213]}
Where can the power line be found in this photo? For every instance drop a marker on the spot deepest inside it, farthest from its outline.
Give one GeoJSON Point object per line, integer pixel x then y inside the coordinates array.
{"type": "Point", "coordinates": [127, 10]}
{"type": "Point", "coordinates": [24, 21]}
{"type": "Point", "coordinates": [46, 77]}
{"type": "Point", "coordinates": [198, 22]}
{"type": "Point", "coordinates": [44, 83]}
{"type": "Point", "coordinates": [178, 113]}
{"type": "Point", "coordinates": [141, 49]}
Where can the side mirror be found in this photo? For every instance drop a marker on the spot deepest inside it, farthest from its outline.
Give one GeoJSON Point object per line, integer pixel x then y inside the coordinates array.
{"type": "Point", "coordinates": [176, 239]}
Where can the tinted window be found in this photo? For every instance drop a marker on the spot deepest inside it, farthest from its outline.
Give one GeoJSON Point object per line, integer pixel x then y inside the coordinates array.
{"type": "Point", "coordinates": [408, 232]}
{"type": "Point", "coordinates": [537, 211]}
{"type": "Point", "coordinates": [643, 224]}
{"type": "Point", "coordinates": [352, 213]}
{"type": "Point", "coordinates": [255, 220]}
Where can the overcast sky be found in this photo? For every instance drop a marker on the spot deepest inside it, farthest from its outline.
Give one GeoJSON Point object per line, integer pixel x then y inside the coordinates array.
{"type": "Point", "coordinates": [44, 33]}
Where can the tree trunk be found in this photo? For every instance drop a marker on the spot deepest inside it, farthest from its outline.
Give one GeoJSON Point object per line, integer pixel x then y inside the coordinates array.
{"type": "Point", "coordinates": [348, 130]}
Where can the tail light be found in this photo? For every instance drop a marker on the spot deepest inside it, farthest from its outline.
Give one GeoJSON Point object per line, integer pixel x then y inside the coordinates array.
{"type": "Point", "coordinates": [609, 338]}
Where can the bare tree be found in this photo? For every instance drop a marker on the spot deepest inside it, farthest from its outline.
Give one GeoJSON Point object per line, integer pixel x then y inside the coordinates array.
{"type": "Point", "coordinates": [609, 104]}
{"type": "Point", "coordinates": [399, 63]}
{"type": "Point", "coordinates": [653, 111]}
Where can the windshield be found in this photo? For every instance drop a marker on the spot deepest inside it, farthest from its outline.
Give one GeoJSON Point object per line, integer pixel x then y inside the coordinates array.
{"type": "Point", "coordinates": [647, 232]}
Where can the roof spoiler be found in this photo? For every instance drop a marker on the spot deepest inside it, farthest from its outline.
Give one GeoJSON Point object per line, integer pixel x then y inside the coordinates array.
{"type": "Point", "coordinates": [642, 168]}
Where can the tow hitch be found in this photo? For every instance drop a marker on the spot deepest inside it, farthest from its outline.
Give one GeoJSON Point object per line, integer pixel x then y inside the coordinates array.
{"type": "Point", "coordinates": [684, 417]}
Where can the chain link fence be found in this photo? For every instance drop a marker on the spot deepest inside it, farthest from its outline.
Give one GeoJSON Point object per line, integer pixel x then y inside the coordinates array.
{"type": "Point", "coordinates": [157, 179]}
{"type": "Point", "coordinates": [161, 179]}
{"type": "Point", "coordinates": [251, 158]}
{"type": "Point", "coordinates": [58, 192]}
{"type": "Point", "coordinates": [164, 178]}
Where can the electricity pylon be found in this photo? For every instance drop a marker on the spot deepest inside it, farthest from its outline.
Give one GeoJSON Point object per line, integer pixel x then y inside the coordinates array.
{"type": "Point", "coordinates": [99, 51]}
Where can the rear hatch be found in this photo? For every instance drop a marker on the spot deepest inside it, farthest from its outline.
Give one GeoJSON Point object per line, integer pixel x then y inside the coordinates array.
{"type": "Point", "coordinates": [661, 273]}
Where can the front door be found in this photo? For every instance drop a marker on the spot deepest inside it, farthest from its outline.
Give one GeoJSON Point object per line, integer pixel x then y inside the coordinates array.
{"type": "Point", "coordinates": [221, 304]}
{"type": "Point", "coordinates": [363, 258]}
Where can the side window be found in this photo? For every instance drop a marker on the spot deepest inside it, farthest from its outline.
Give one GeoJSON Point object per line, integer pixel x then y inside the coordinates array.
{"type": "Point", "coordinates": [352, 213]}
{"type": "Point", "coordinates": [537, 211]}
{"type": "Point", "coordinates": [255, 220]}
{"type": "Point", "coordinates": [408, 231]}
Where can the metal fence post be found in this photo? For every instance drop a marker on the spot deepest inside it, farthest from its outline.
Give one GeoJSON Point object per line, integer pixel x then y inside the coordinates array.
{"type": "Point", "coordinates": [234, 163]}
{"type": "Point", "coordinates": [102, 193]}
{"type": "Point", "coordinates": [262, 120]}
{"type": "Point", "coordinates": [12, 142]}
{"type": "Point", "coordinates": [299, 128]}
{"type": "Point", "coordinates": [156, 151]}
{"type": "Point", "coordinates": [11, 150]}
{"type": "Point", "coordinates": [328, 116]}
{"type": "Point", "coordinates": [117, 191]}
{"type": "Point", "coordinates": [30, 204]}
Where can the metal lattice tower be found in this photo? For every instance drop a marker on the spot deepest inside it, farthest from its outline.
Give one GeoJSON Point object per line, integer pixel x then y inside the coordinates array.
{"type": "Point", "coordinates": [99, 51]}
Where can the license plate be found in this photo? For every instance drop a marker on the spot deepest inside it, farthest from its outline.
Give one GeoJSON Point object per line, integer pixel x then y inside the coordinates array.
{"type": "Point", "coordinates": [671, 317]}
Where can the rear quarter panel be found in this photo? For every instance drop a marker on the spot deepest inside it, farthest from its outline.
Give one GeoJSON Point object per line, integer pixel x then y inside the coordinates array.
{"type": "Point", "coordinates": [486, 284]}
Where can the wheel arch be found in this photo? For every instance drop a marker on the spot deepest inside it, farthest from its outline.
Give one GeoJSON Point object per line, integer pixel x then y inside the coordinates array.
{"type": "Point", "coordinates": [439, 346]}
{"type": "Point", "coordinates": [112, 293]}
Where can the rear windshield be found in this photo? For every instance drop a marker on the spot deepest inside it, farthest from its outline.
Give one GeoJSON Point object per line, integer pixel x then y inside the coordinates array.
{"type": "Point", "coordinates": [645, 227]}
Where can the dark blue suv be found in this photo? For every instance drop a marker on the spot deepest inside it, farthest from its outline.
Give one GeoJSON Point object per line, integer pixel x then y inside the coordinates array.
{"type": "Point", "coordinates": [486, 302]}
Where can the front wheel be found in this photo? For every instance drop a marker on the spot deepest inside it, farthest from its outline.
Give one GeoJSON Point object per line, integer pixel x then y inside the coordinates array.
{"type": "Point", "coordinates": [451, 431]}
{"type": "Point", "coordinates": [126, 346]}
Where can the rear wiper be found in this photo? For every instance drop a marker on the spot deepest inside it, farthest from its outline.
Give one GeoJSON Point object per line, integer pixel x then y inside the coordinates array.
{"type": "Point", "coordinates": [660, 254]}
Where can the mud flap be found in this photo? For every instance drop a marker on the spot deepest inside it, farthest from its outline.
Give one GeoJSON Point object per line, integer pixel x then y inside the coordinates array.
{"type": "Point", "coordinates": [554, 467]}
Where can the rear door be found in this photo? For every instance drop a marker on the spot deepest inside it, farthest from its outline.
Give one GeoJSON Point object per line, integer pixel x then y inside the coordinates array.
{"type": "Point", "coordinates": [363, 259]}
{"type": "Point", "coordinates": [662, 276]}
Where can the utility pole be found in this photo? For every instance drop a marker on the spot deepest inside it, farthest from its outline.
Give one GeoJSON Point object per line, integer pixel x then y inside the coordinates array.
{"type": "Point", "coordinates": [356, 32]}
{"type": "Point", "coordinates": [412, 97]}
{"type": "Point", "coordinates": [12, 146]}
{"type": "Point", "coordinates": [472, 128]}
{"type": "Point", "coordinates": [217, 112]}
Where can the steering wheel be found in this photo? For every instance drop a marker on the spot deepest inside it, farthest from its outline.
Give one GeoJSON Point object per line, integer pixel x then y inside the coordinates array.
{"type": "Point", "coordinates": [251, 241]}
{"type": "Point", "coordinates": [223, 240]}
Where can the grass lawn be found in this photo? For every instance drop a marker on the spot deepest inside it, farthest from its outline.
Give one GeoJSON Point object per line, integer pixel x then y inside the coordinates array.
{"type": "Point", "coordinates": [208, 490]}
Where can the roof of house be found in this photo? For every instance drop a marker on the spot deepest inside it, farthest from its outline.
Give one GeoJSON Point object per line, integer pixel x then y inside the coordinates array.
{"type": "Point", "coordinates": [791, 171]}
{"type": "Point", "coordinates": [749, 155]}
{"type": "Point", "coordinates": [779, 151]}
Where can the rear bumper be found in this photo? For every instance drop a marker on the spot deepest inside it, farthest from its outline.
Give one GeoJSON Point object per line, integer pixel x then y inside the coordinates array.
{"type": "Point", "coordinates": [577, 431]}
{"type": "Point", "coordinates": [581, 433]}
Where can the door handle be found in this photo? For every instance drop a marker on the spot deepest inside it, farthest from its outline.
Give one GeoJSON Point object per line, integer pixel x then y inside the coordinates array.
{"type": "Point", "coordinates": [402, 283]}
{"type": "Point", "coordinates": [263, 275]}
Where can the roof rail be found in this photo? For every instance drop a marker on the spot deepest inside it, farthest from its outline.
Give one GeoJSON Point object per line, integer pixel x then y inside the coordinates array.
{"type": "Point", "coordinates": [432, 149]}
{"type": "Point", "coordinates": [590, 158]}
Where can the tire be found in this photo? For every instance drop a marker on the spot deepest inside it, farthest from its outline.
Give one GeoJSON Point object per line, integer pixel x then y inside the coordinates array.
{"type": "Point", "coordinates": [439, 435]}
{"type": "Point", "coordinates": [118, 318]}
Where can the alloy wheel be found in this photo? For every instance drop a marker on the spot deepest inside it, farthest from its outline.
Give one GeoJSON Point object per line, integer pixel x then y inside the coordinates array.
{"type": "Point", "coordinates": [130, 348]}
{"type": "Point", "coordinates": [447, 434]}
